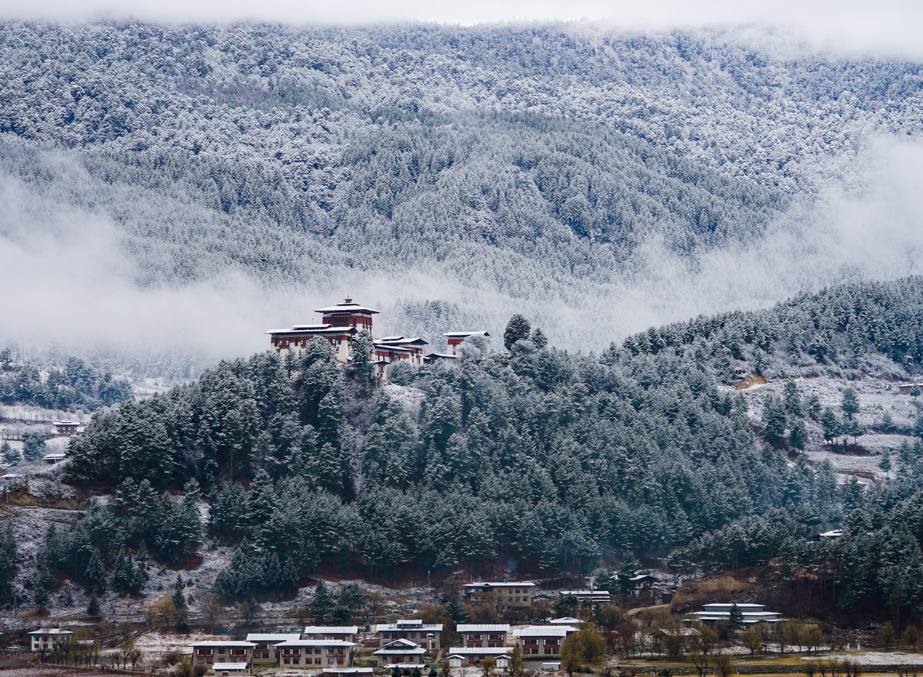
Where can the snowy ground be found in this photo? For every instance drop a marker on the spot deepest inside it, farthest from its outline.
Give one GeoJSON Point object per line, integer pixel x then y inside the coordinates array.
{"type": "Point", "coordinates": [873, 657]}
{"type": "Point", "coordinates": [876, 397]}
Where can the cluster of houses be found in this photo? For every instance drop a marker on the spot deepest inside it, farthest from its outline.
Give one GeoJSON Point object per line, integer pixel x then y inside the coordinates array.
{"type": "Point", "coordinates": [403, 644]}
{"type": "Point", "coordinates": [342, 323]}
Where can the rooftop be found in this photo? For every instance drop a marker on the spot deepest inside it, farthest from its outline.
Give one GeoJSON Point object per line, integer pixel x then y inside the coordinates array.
{"type": "Point", "coordinates": [503, 584]}
{"type": "Point", "coordinates": [544, 631]}
{"type": "Point", "coordinates": [346, 307]}
{"type": "Point", "coordinates": [222, 643]}
{"type": "Point", "coordinates": [331, 629]}
{"type": "Point", "coordinates": [479, 650]}
{"type": "Point", "coordinates": [304, 330]}
{"type": "Point", "coordinates": [464, 334]}
{"type": "Point", "coordinates": [483, 628]}
{"type": "Point", "coordinates": [272, 637]}
{"type": "Point", "coordinates": [318, 642]}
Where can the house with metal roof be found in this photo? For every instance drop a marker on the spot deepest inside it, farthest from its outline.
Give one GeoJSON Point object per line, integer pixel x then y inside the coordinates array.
{"type": "Point", "coordinates": [483, 635]}
{"type": "Point", "coordinates": [505, 593]}
{"type": "Point", "coordinates": [401, 652]}
{"type": "Point", "coordinates": [210, 652]}
{"type": "Point", "coordinates": [540, 641]}
{"type": "Point", "coordinates": [721, 613]}
{"type": "Point", "coordinates": [46, 639]}
{"type": "Point", "coordinates": [347, 633]}
{"type": "Point", "coordinates": [317, 653]}
{"type": "Point", "coordinates": [426, 635]}
{"type": "Point", "coordinates": [264, 651]}
{"type": "Point", "coordinates": [475, 654]}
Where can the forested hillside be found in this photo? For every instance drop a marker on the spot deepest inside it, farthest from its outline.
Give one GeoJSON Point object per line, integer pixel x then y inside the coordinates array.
{"type": "Point", "coordinates": [552, 460]}
{"type": "Point", "coordinates": [509, 168]}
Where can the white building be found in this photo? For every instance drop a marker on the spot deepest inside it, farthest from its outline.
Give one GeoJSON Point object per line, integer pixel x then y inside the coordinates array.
{"type": "Point", "coordinates": [46, 639]}
{"type": "Point", "coordinates": [721, 613]}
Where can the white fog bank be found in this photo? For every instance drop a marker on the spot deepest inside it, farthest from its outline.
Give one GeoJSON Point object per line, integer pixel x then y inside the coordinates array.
{"type": "Point", "coordinates": [66, 279]}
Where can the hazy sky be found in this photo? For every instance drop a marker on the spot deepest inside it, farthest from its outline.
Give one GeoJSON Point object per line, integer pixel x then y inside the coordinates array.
{"type": "Point", "coordinates": [881, 25]}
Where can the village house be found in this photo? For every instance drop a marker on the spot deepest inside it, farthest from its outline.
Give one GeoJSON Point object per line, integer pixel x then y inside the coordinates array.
{"type": "Point", "coordinates": [505, 594]}
{"type": "Point", "coordinates": [401, 652]}
{"type": "Point", "coordinates": [566, 620]}
{"type": "Point", "coordinates": [595, 596]}
{"type": "Point", "coordinates": [264, 653]}
{"type": "Point", "coordinates": [643, 586]}
{"type": "Point", "coordinates": [427, 636]}
{"type": "Point", "coordinates": [540, 641]}
{"type": "Point", "coordinates": [474, 655]}
{"type": "Point", "coordinates": [317, 653]}
{"type": "Point", "coordinates": [66, 428]}
{"type": "Point", "coordinates": [46, 639]}
{"type": "Point", "coordinates": [212, 652]}
{"type": "Point", "coordinates": [54, 458]}
{"type": "Point", "coordinates": [480, 635]}
{"type": "Point", "coordinates": [346, 633]}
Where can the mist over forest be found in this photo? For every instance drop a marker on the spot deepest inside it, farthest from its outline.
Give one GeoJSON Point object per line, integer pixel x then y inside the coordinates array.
{"type": "Point", "coordinates": [170, 192]}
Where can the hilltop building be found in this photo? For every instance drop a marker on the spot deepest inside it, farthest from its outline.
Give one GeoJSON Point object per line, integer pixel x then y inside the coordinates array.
{"type": "Point", "coordinates": [342, 323]}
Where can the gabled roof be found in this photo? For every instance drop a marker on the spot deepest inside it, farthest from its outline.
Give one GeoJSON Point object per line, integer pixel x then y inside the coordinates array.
{"type": "Point", "coordinates": [464, 651]}
{"type": "Point", "coordinates": [483, 628]}
{"type": "Point", "coordinates": [544, 631]}
{"type": "Point", "coordinates": [464, 334]}
{"type": "Point", "coordinates": [401, 340]}
{"type": "Point", "coordinates": [51, 631]}
{"type": "Point", "coordinates": [272, 637]}
{"type": "Point", "coordinates": [346, 307]}
{"type": "Point", "coordinates": [403, 647]}
{"type": "Point", "coordinates": [408, 625]}
{"type": "Point", "coordinates": [223, 643]}
{"type": "Point", "coordinates": [321, 330]}
{"type": "Point", "coordinates": [501, 584]}
{"type": "Point", "coordinates": [566, 620]}
{"type": "Point", "coordinates": [331, 629]}
{"type": "Point", "coordinates": [318, 642]}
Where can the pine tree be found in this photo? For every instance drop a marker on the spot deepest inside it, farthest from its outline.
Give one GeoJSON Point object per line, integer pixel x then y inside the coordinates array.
{"type": "Point", "coordinates": [735, 619]}
{"type": "Point", "coordinates": [8, 454]}
{"type": "Point", "coordinates": [322, 605]}
{"type": "Point", "coordinates": [95, 574]}
{"type": "Point", "coordinates": [885, 462]}
{"type": "Point", "coordinates": [93, 610]}
{"type": "Point", "coordinates": [516, 329]}
{"type": "Point", "coordinates": [7, 559]}
{"type": "Point", "coordinates": [179, 599]}
{"type": "Point", "coordinates": [456, 610]}
{"type": "Point", "coordinates": [40, 597]}
{"type": "Point", "coordinates": [849, 404]}
{"type": "Point", "coordinates": [363, 351]}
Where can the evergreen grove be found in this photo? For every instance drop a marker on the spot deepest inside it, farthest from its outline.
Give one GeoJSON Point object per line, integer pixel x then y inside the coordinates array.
{"type": "Point", "coordinates": [550, 458]}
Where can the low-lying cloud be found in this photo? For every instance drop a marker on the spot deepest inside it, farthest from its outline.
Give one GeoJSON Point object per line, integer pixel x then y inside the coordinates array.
{"type": "Point", "coordinates": [67, 280]}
